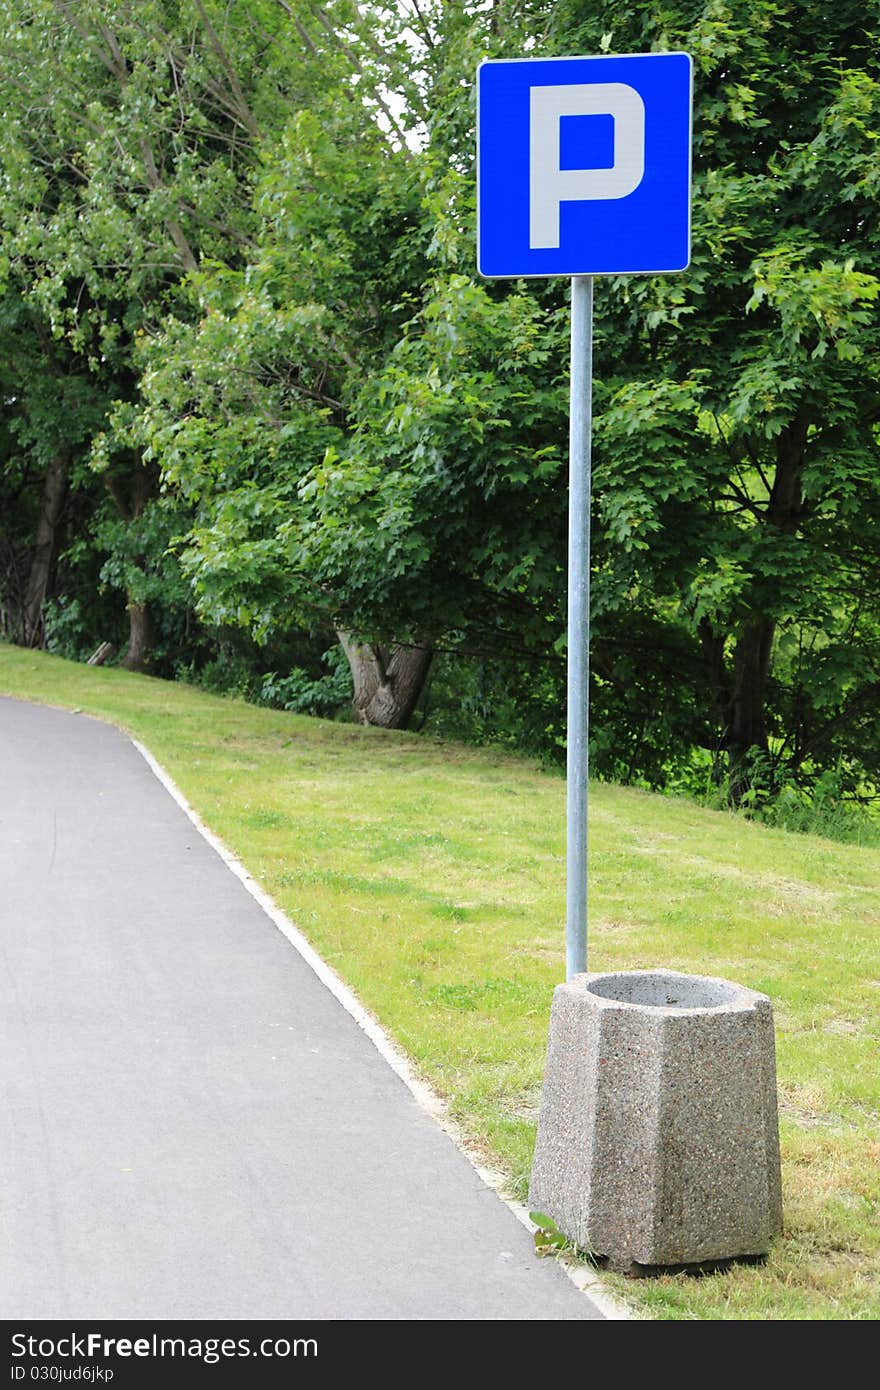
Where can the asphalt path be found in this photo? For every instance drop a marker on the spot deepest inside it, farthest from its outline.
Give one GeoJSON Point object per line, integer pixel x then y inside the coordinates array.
{"type": "Point", "coordinates": [191, 1125]}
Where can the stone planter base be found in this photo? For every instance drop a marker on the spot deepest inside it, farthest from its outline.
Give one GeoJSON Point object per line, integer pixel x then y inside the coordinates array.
{"type": "Point", "coordinates": [658, 1139]}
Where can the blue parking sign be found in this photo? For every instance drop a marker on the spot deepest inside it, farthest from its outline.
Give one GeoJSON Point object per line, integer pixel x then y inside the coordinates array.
{"type": "Point", "coordinates": [584, 165]}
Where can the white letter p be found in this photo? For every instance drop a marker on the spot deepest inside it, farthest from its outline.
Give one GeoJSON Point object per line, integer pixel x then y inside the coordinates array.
{"type": "Point", "coordinates": [548, 184]}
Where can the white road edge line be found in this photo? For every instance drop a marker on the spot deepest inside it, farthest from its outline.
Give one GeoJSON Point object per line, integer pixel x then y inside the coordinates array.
{"type": "Point", "coordinates": [581, 1275]}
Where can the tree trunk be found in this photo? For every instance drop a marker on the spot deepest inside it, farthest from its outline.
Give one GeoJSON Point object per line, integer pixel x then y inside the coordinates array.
{"type": "Point", "coordinates": [712, 646]}
{"type": "Point", "coordinates": [387, 681]}
{"type": "Point", "coordinates": [740, 694]}
{"type": "Point", "coordinates": [746, 727]}
{"type": "Point", "coordinates": [33, 631]}
{"type": "Point", "coordinates": [140, 623]}
{"type": "Point", "coordinates": [751, 663]}
{"type": "Point", "coordinates": [141, 637]}
{"type": "Point", "coordinates": [746, 720]}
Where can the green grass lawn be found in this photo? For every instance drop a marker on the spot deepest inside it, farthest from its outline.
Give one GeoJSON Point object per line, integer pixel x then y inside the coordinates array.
{"type": "Point", "coordinates": [431, 876]}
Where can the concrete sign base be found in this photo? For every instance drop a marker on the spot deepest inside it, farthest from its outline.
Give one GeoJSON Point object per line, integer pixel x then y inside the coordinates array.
{"type": "Point", "coordinates": [658, 1139]}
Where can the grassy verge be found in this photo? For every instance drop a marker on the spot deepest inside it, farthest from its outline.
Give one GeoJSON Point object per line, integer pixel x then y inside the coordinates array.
{"type": "Point", "coordinates": [431, 876]}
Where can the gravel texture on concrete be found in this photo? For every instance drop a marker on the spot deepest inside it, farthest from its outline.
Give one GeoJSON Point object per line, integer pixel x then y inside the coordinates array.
{"type": "Point", "coordinates": [658, 1138]}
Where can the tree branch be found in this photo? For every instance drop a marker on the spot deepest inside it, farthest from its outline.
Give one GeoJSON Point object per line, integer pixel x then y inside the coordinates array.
{"type": "Point", "coordinates": [358, 66]}
{"type": "Point", "coordinates": [247, 116]}
{"type": "Point", "coordinates": [423, 25]}
{"type": "Point", "coordinates": [300, 29]}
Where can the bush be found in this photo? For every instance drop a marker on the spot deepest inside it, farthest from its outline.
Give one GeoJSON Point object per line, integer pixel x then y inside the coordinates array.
{"type": "Point", "coordinates": [325, 696]}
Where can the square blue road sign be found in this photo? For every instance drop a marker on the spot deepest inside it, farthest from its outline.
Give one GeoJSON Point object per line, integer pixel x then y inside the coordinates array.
{"type": "Point", "coordinates": [584, 165]}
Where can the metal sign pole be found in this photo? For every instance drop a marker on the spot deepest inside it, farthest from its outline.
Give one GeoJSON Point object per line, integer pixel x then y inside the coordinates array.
{"type": "Point", "coordinates": [550, 201]}
{"type": "Point", "coordinates": [578, 756]}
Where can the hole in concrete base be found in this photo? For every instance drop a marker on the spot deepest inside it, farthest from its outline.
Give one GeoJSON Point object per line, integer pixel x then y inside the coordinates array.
{"type": "Point", "coordinates": [664, 991]}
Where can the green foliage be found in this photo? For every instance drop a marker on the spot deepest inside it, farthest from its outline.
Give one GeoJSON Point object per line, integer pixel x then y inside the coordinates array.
{"type": "Point", "coordinates": [141, 563]}
{"type": "Point", "coordinates": [834, 802]}
{"type": "Point", "coordinates": [548, 1237]}
{"type": "Point", "coordinates": [65, 629]}
{"type": "Point", "coordinates": [302, 693]}
{"type": "Point", "coordinates": [437, 515]}
{"type": "Point", "coordinates": [238, 261]}
{"type": "Point", "coordinates": [736, 449]}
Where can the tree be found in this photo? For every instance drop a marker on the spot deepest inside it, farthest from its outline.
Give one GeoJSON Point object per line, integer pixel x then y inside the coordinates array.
{"type": "Point", "coordinates": [242, 404]}
{"type": "Point", "coordinates": [737, 502]}
{"type": "Point", "coordinates": [127, 148]}
{"type": "Point", "coordinates": [50, 414]}
{"type": "Point", "coordinates": [318, 419]}
{"type": "Point", "coordinates": [737, 454]}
